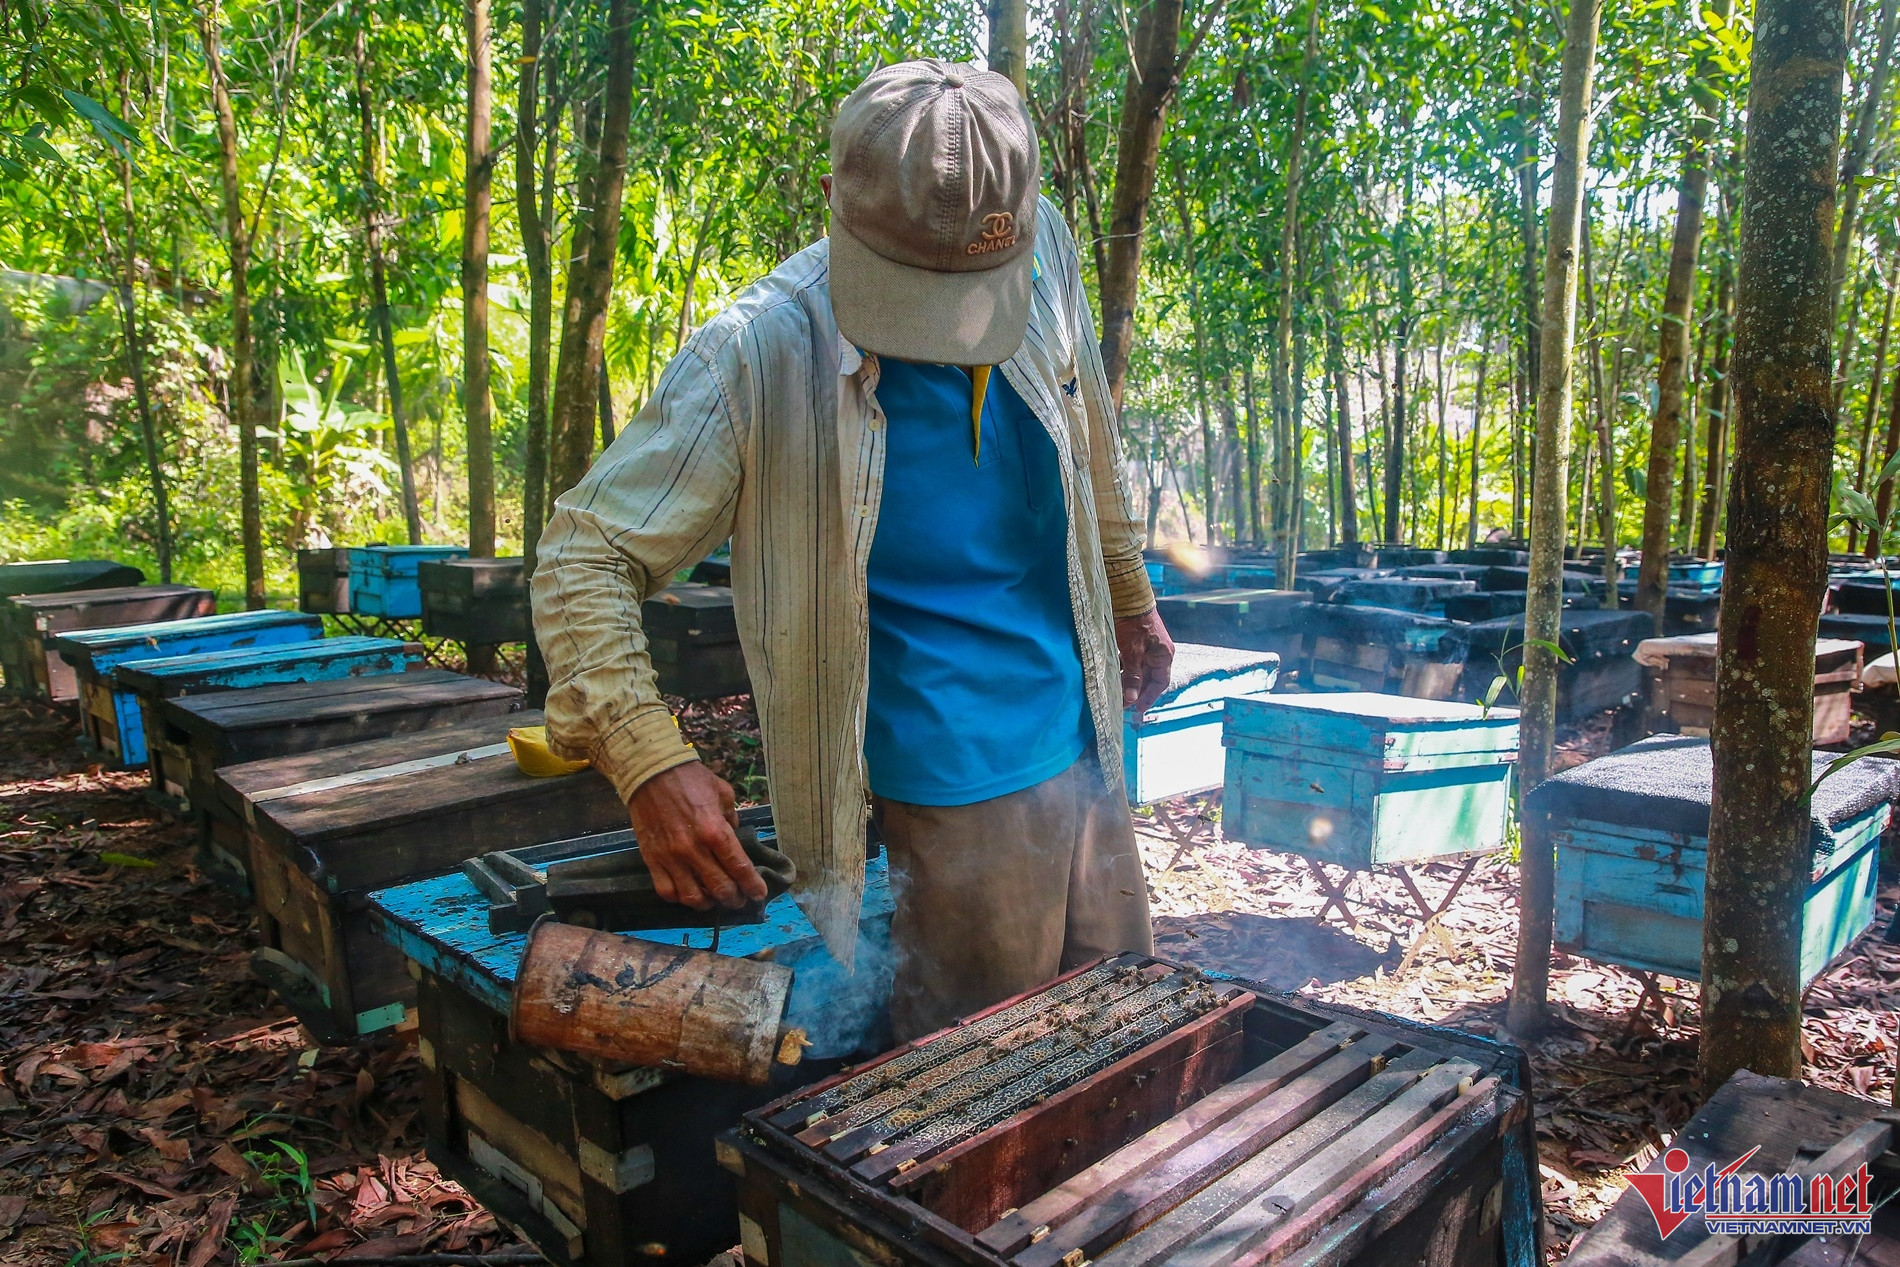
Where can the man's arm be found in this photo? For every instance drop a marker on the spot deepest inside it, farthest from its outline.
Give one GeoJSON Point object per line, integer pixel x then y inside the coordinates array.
{"type": "Point", "coordinates": [1147, 653]}
{"type": "Point", "coordinates": [659, 498]}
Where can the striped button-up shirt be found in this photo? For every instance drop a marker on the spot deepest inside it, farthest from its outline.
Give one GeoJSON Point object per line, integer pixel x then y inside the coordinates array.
{"type": "Point", "coordinates": [766, 429]}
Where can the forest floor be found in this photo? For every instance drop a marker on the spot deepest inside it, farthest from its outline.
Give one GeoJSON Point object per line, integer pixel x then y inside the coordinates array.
{"type": "Point", "coordinates": [158, 1106]}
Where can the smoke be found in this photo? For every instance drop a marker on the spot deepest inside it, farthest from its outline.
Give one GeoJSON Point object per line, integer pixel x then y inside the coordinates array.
{"type": "Point", "coordinates": [842, 1010]}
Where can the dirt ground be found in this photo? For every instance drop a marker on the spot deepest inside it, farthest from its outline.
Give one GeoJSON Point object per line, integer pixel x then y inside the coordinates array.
{"type": "Point", "coordinates": [158, 1106]}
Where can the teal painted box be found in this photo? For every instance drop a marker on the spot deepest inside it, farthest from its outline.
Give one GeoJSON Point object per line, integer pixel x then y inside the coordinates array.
{"type": "Point", "coordinates": [109, 714]}
{"type": "Point", "coordinates": [383, 579]}
{"type": "Point", "coordinates": [1700, 575]}
{"type": "Point", "coordinates": [1631, 836]}
{"type": "Point", "coordinates": [1175, 749]}
{"type": "Point", "coordinates": [1363, 780]}
{"type": "Point", "coordinates": [152, 682]}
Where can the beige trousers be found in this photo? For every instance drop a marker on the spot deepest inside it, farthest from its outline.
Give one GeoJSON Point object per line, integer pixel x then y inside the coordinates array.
{"type": "Point", "coordinates": [998, 897]}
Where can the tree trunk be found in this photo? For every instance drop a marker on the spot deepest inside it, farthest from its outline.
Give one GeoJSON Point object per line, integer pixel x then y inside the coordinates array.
{"type": "Point", "coordinates": [1759, 848]}
{"type": "Point", "coordinates": [1690, 473]}
{"type": "Point", "coordinates": [1601, 404]}
{"type": "Point", "coordinates": [537, 248]}
{"type": "Point", "coordinates": [1342, 414]}
{"type": "Point", "coordinates": [1236, 506]}
{"type": "Point", "coordinates": [576, 382]}
{"type": "Point", "coordinates": [1477, 436]}
{"type": "Point", "coordinates": [1528, 299]}
{"type": "Point", "coordinates": [1860, 149]}
{"type": "Point", "coordinates": [1153, 75]}
{"type": "Point", "coordinates": [477, 182]}
{"type": "Point", "coordinates": [372, 178]}
{"type": "Point", "coordinates": [1672, 359]}
{"type": "Point", "coordinates": [1285, 536]}
{"type": "Point", "coordinates": [1401, 338]}
{"type": "Point", "coordinates": [1296, 496]}
{"type": "Point", "coordinates": [1009, 42]}
{"type": "Point", "coordinates": [1253, 452]}
{"type": "Point", "coordinates": [1444, 461]}
{"type": "Point", "coordinates": [238, 238]}
{"type": "Point", "coordinates": [1716, 408]}
{"type": "Point", "coordinates": [1874, 387]}
{"type": "Point", "coordinates": [1200, 367]}
{"type": "Point", "coordinates": [135, 368]}
{"type": "Point", "coordinates": [1544, 606]}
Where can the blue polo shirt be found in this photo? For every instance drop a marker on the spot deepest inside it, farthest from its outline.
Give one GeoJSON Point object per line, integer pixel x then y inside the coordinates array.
{"type": "Point", "coordinates": [976, 679]}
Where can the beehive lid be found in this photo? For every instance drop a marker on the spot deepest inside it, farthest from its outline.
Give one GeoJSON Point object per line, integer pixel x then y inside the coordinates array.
{"type": "Point", "coordinates": [400, 560]}
{"type": "Point", "coordinates": [1656, 653]}
{"type": "Point", "coordinates": [1402, 592]}
{"type": "Point", "coordinates": [684, 609]}
{"type": "Point", "coordinates": [290, 703]}
{"type": "Point", "coordinates": [1204, 675]}
{"type": "Point", "coordinates": [52, 576]}
{"type": "Point", "coordinates": [105, 647]}
{"type": "Point", "coordinates": [476, 578]}
{"type": "Point", "coordinates": [1448, 571]}
{"type": "Point", "coordinates": [1665, 783]}
{"type": "Point", "coordinates": [1362, 724]}
{"type": "Point", "coordinates": [1585, 633]}
{"type": "Point", "coordinates": [118, 596]}
{"type": "Point", "coordinates": [1428, 636]}
{"type": "Point", "coordinates": [1516, 578]}
{"type": "Point", "coordinates": [248, 666]}
{"type": "Point", "coordinates": [1262, 609]}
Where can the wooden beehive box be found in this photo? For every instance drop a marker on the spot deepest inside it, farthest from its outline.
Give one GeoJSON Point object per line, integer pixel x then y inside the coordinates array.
{"type": "Point", "coordinates": [28, 621]}
{"type": "Point", "coordinates": [383, 579]}
{"type": "Point", "coordinates": [1872, 632]}
{"type": "Point", "coordinates": [323, 580]}
{"type": "Point", "coordinates": [1685, 611]}
{"type": "Point", "coordinates": [56, 576]}
{"type": "Point", "coordinates": [477, 602]}
{"type": "Point", "coordinates": [1600, 673]}
{"type": "Point", "coordinates": [1251, 619]}
{"type": "Point", "coordinates": [1350, 648]}
{"type": "Point", "coordinates": [324, 828]}
{"type": "Point", "coordinates": [604, 1165]}
{"type": "Point", "coordinates": [1631, 835]}
{"type": "Point", "coordinates": [1679, 685]}
{"type": "Point", "coordinates": [1268, 1129]}
{"type": "Point", "coordinates": [152, 682]}
{"type": "Point", "coordinates": [109, 718]}
{"type": "Point", "coordinates": [1175, 749]}
{"type": "Point", "coordinates": [1864, 595]}
{"type": "Point", "coordinates": [1699, 575]}
{"type": "Point", "coordinates": [1424, 594]}
{"type": "Point", "coordinates": [1792, 1124]}
{"type": "Point", "coordinates": [1367, 780]}
{"type": "Point", "coordinates": [693, 639]}
{"type": "Point", "coordinates": [233, 727]}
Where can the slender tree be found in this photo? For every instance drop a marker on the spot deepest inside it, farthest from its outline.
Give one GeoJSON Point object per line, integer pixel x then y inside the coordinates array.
{"type": "Point", "coordinates": [1760, 853]}
{"type": "Point", "coordinates": [477, 186]}
{"type": "Point", "coordinates": [535, 160]}
{"type": "Point", "coordinates": [1544, 604]}
{"type": "Point", "coordinates": [1477, 437]}
{"type": "Point", "coordinates": [372, 179]}
{"type": "Point", "coordinates": [1860, 149]}
{"type": "Point", "coordinates": [590, 278]}
{"type": "Point", "coordinates": [1342, 411]}
{"type": "Point", "coordinates": [1154, 74]}
{"type": "Point", "coordinates": [1401, 345]}
{"type": "Point", "coordinates": [1715, 407]}
{"type": "Point", "coordinates": [1285, 532]}
{"type": "Point", "coordinates": [243, 409]}
{"type": "Point", "coordinates": [135, 365]}
{"type": "Point", "coordinates": [1875, 383]}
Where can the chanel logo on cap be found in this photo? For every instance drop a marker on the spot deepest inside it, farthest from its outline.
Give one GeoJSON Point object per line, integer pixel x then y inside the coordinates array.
{"type": "Point", "coordinates": [999, 231]}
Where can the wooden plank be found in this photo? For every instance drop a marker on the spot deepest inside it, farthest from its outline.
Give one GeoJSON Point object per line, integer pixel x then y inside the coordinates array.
{"type": "Point", "coordinates": [1063, 1202]}
{"type": "Point", "coordinates": [1272, 1121]}
{"type": "Point", "coordinates": [1477, 1109]}
{"type": "Point", "coordinates": [1181, 1226]}
{"type": "Point", "coordinates": [972, 1183]}
{"type": "Point", "coordinates": [1309, 1183]}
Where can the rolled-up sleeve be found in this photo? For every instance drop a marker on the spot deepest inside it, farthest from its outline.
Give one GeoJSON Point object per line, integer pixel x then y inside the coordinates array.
{"type": "Point", "coordinates": [1122, 531]}
{"type": "Point", "coordinates": [662, 496]}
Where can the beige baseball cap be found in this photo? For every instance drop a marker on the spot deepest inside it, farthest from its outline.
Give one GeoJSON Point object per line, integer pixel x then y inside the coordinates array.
{"type": "Point", "coordinates": [934, 178]}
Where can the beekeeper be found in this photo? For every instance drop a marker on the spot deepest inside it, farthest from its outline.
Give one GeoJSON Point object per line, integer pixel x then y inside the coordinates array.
{"type": "Point", "coordinates": [906, 432]}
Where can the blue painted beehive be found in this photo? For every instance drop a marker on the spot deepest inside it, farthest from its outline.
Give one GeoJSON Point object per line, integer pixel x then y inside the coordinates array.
{"type": "Point", "coordinates": [1699, 575]}
{"type": "Point", "coordinates": [1175, 749]}
{"type": "Point", "coordinates": [1365, 780]}
{"type": "Point", "coordinates": [597, 1162]}
{"type": "Point", "coordinates": [1631, 834]}
{"type": "Point", "coordinates": [383, 578]}
{"type": "Point", "coordinates": [109, 714]}
{"type": "Point", "coordinates": [152, 682]}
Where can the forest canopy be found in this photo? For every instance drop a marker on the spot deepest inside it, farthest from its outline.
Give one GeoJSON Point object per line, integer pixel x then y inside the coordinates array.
{"type": "Point", "coordinates": [331, 179]}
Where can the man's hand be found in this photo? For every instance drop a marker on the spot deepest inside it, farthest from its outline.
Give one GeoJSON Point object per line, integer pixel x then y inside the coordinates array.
{"type": "Point", "coordinates": [1147, 655]}
{"type": "Point", "coordinates": [684, 821]}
